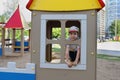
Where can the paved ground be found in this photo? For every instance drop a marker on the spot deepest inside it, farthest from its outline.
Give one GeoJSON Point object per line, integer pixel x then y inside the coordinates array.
{"type": "Point", "coordinates": [20, 61]}
{"type": "Point", "coordinates": [110, 48]}
{"type": "Point", "coordinates": [108, 70]}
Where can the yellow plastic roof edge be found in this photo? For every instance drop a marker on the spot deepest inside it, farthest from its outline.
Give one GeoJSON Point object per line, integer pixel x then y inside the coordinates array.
{"type": "Point", "coordinates": [49, 5]}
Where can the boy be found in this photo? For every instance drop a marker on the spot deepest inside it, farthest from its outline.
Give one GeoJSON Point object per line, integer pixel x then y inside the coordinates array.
{"type": "Point", "coordinates": [72, 53]}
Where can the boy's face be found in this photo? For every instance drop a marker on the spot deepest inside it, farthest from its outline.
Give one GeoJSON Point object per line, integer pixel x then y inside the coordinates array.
{"type": "Point", "coordinates": [73, 35]}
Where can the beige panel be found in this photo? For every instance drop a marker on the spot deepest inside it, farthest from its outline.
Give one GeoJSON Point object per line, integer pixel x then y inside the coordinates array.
{"type": "Point", "coordinates": [91, 43]}
{"type": "Point", "coordinates": [61, 74]}
{"type": "Point", "coordinates": [22, 41]}
{"type": "Point", "coordinates": [3, 41]}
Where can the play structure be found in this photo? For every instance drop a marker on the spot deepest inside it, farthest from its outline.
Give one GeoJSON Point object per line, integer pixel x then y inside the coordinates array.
{"type": "Point", "coordinates": [1, 31]}
{"type": "Point", "coordinates": [15, 23]}
{"type": "Point", "coordinates": [52, 14]}
{"type": "Point", "coordinates": [12, 73]}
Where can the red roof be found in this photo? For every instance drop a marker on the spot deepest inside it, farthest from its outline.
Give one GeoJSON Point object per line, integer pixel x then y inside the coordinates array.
{"type": "Point", "coordinates": [102, 3]}
{"type": "Point", "coordinates": [29, 3]}
{"type": "Point", "coordinates": [15, 20]}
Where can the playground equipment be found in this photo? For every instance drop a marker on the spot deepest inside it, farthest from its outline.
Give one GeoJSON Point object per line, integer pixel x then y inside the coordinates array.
{"type": "Point", "coordinates": [49, 14]}
{"type": "Point", "coordinates": [12, 73]}
{"type": "Point", "coordinates": [1, 34]}
{"type": "Point", "coordinates": [16, 22]}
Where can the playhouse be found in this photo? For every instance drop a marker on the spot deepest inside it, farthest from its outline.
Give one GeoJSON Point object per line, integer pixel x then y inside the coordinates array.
{"type": "Point", "coordinates": [48, 15]}
{"type": "Point", "coordinates": [16, 22]}
{"type": "Point", "coordinates": [51, 14]}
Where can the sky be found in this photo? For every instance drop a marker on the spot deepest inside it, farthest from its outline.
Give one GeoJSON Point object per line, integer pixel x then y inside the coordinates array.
{"type": "Point", "coordinates": [22, 4]}
{"type": "Point", "coordinates": [1, 7]}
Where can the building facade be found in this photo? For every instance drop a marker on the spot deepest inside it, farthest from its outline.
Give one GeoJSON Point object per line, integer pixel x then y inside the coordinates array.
{"type": "Point", "coordinates": [112, 13]}
{"type": "Point", "coordinates": [101, 23]}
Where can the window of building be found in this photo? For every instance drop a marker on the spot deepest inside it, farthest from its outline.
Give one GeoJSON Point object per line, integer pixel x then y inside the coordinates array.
{"type": "Point", "coordinates": [54, 34]}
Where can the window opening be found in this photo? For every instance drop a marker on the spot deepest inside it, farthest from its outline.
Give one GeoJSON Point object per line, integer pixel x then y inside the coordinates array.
{"type": "Point", "coordinates": [54, 51]}
{"type": "Point", "coordinates": [72, 44]}
{"type": "Point", "coordinates": [53, 30]}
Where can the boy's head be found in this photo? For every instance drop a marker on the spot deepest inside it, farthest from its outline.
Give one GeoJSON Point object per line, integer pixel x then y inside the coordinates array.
{"type": "Point", "coordinates": [73, 29]}
{"type": "Point", "coordinates": [73, 33]}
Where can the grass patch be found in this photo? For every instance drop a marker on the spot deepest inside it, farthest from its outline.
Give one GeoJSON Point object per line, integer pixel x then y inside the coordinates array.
{"type": "Point", "coordinates": [114, 41]}
{"type": "Point", "coordinates": [108, 57]}
{"type": "Point", "coordinates": [55, 49]}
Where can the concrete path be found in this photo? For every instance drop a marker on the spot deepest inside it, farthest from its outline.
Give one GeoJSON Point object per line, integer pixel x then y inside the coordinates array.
{"type": "Point", "coordinates": [109, 48]}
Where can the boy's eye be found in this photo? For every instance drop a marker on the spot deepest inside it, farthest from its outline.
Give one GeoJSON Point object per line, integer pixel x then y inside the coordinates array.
{"type": "Point", "coordinates": [73, 33]}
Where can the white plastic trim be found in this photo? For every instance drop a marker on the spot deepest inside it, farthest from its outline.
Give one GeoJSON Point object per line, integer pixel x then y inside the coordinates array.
{"type": "Point", "coordinates": [43, 42]}
{"type": "Point", "coordinates": [83, 19]}
{"type": "Point", "coordinates": [63, 16]}
{"type": "Point", "coordinates": [63, 66]}
{"type": "Point", "coordinates": [11, 67]}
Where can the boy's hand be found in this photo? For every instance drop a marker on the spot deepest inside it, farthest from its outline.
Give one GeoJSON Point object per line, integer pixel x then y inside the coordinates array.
{"type": "Point", "coordinates": [68, 63]}
{"type": "Point", "coordinates": [75, 63]}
